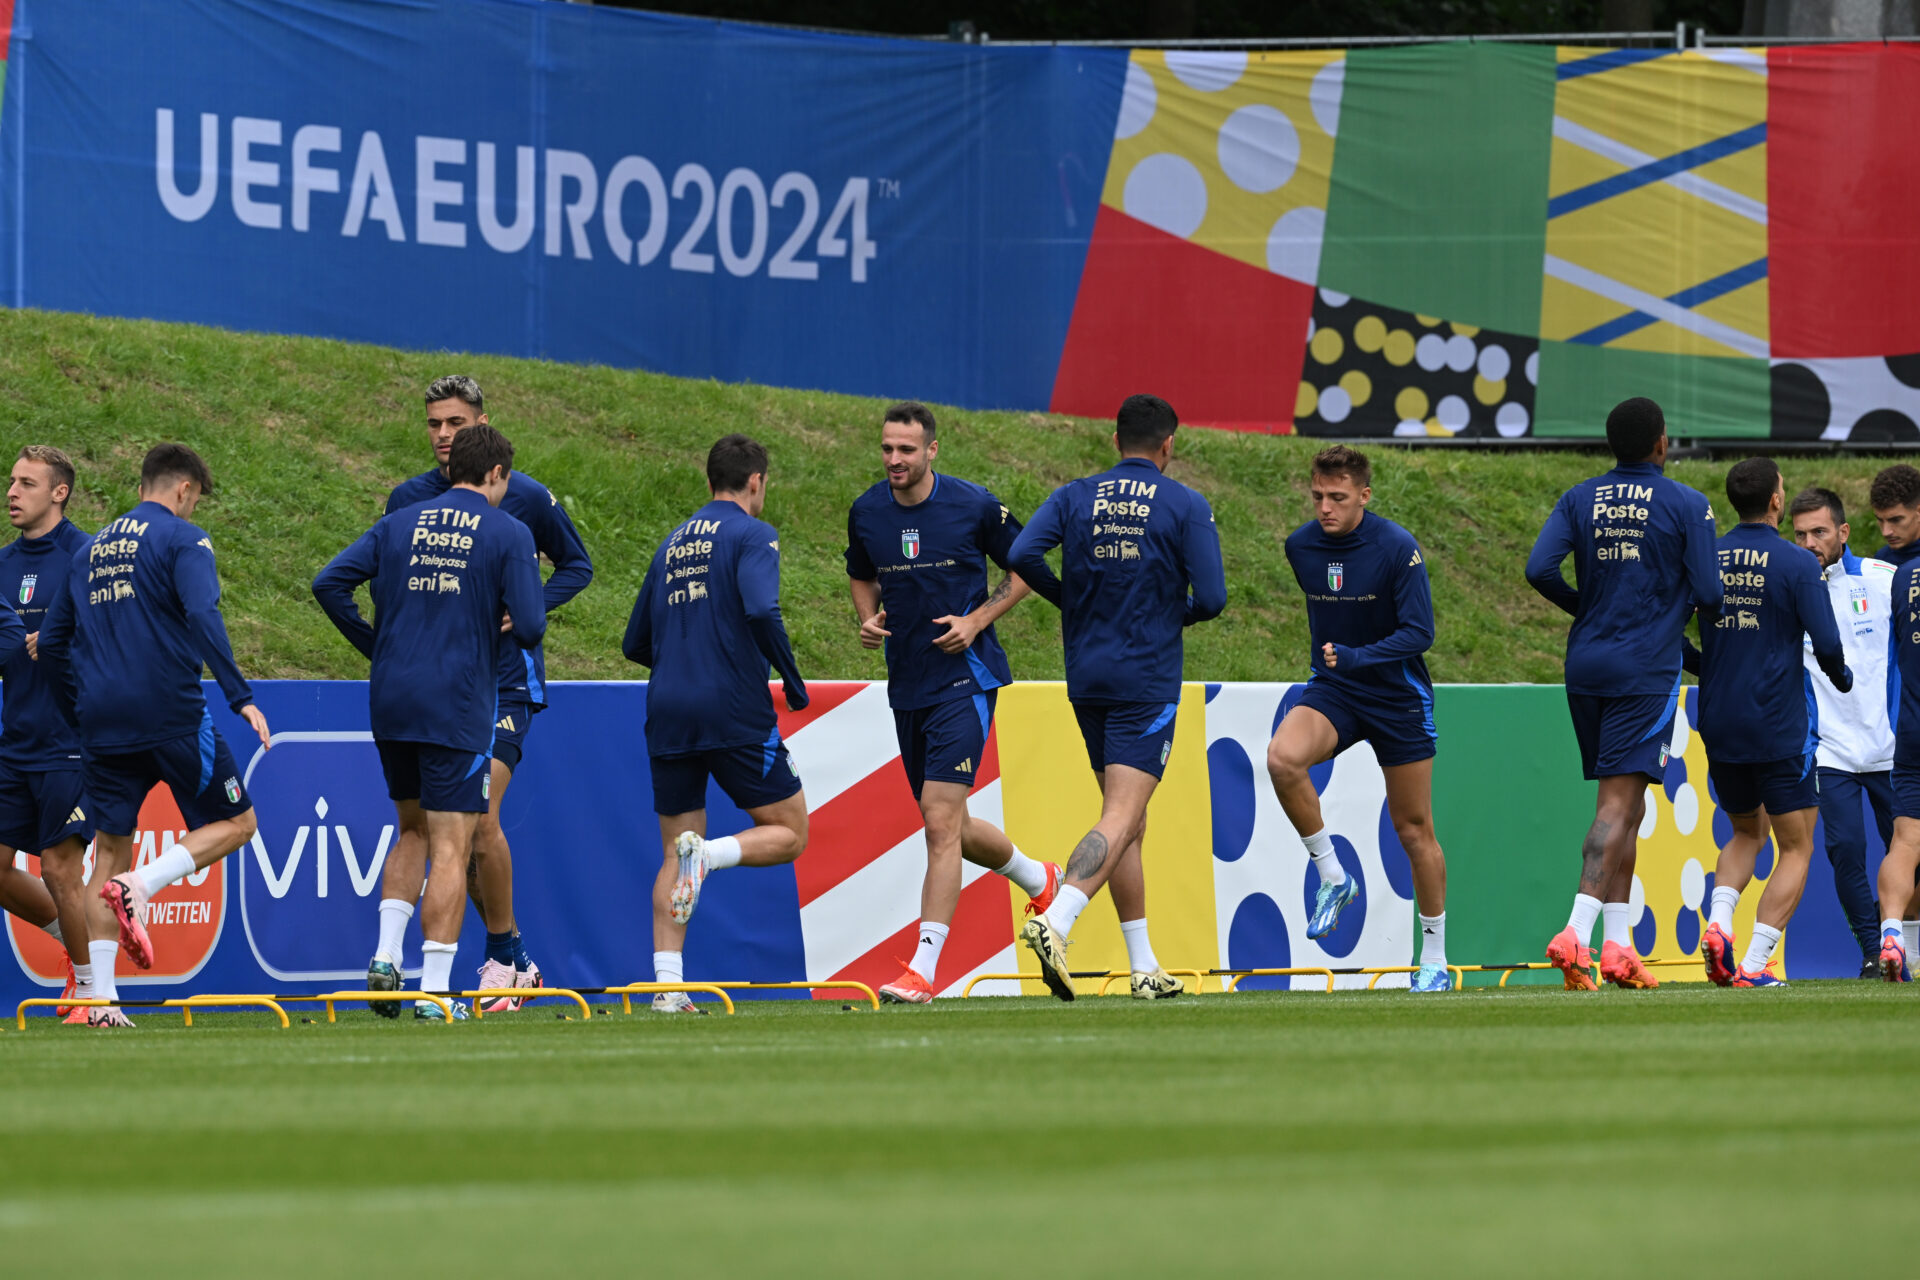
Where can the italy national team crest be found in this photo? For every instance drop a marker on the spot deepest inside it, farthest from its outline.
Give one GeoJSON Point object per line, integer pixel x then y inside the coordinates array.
{"type": "Point", "coordinates": [910, 543]}
{"type": "Point", "coordinates": [26, 587]}
{"type": "Point", "coordinates": [1336, 575]}
{"type": "Point", "coordinates": [1858, 599]}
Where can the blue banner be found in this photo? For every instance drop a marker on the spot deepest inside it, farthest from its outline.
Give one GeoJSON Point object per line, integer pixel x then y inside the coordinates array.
{"type": "Point", "coordinates": [884, 217]}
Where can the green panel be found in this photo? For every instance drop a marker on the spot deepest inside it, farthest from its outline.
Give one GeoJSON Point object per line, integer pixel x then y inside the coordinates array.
{"type": "Point", "coordinates": [1439, 197]}
{"type": "Point", "coordinates": [1511, 810]}
{"type": "Point", "coordinates": [1702, 395]}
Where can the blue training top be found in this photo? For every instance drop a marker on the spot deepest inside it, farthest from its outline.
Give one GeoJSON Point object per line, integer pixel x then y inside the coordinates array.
{"type": "Point", "coordinates": [707, 621]}
{"type": "Point", "coordinates": [523, 672]}
{"type": "Point", "coordinates": [1643, 549]}
{"type": "Point", "coordinates": [443, 571]}
{"type": "Point", "coordinates": [1369, 596]}
{"type": "Point", "coordinates": [36, 735]}
{"type": "Point", "coordinates": [1133, 543]}
{"type": "Point", "coordinates": [930, 560]}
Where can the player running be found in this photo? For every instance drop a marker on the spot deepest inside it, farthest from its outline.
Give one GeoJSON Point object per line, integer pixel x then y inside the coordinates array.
{"type": "Point", "coordinates": [1754, 694]}
{"type": "Point", "coordinates": [444, 570]}
{"type": "Point", "coordinates": [1902, 863]}
{"type": "Point", "coordinates": [1855, 755]}
{"type": "Point", "coordinates": [1895, 498]}
{"type": "Point", "coordinates": [125, 643]}
{"type": "Point", "coordinates": [41, 804]}
{"type": "Point", "coordinates": [707, 623]}
{"type": "Point", "coordinates": [1370, 612]}
{"type": "Point", "coordinates": [1645, 559]}
{"type": "Point", "coordinates": [918, 543]}
{"type": "Point", "coordinates": [1140, 560]}
{"type": "Point", "coordinates": [455, 403]}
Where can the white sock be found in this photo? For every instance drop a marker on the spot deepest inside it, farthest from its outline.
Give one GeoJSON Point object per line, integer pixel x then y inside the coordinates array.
{"type": "Point", "coordinates": [1433, 939]}
{"type": "Point", "coordinates": [104, 956]}
{"type": "Point", "coordinates": [1139, 950]}
{"type": "Point", "coordinates": [667, 967]}
{"type": "Point", "coordinates": [53, 930]}
{"type": "Point", "coordinates": [1725, 898]}
{"type": "Point", "coordinates": [724, 852]}
{"type": "Point", "coordinates": [1760, 947]}
{"type": "Point", "coordinates": [436, 966]}
{"type": "Point", "coordinates": [83, 981]}
{"type": "Point", "coordinates": [1910, 931]}
{"type": "Point", "coordinates": [394, 914]}
{"type": "Point", "coordinates": [1320, 849]}
{"type": "Point", "coordinates": [1031, 876]}
{"type": "Point", "coordinates": [1893, 926]}
{"type": "Point", "coordinates": [1617, 928]}
{"type": "Point", "coordinates": [926, 957]}
{"type": "Point", "coordinates": [1586, 909]}
{"type": "Point", "coordinates": [1066, 909]}
{"type": "Point", "coordinates": [175, 864]}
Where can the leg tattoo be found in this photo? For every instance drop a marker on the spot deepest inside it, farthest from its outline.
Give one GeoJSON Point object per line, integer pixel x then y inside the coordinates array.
{"type": "Point", "coordinates": [1593, 859]}
{"type": "Point", "coordinates": [1088, 856]}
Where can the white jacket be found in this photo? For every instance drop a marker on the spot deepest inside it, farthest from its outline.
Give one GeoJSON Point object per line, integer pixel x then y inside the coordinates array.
{"type": "Point", "coordinates": [1853, 728]}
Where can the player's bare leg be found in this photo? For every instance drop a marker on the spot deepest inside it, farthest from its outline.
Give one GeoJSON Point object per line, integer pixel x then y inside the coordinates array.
{"type": "Point", "coordinates": [490, 887]}
{"type": "Point", "coordinates": [1792, 852]}
{"type": "Point", "coordinates": [1607, 858]}
{"type": "Point", "coordinates": [1128, 888]}
{"type": "Point", "coordinates": [985, 845]}
{"type": "Point", "coordinates": [778, 835]}
{"type": "Point", "coordinates": [1304, 739]}
{"type": "Point", "coordinates": [1732, 872]}
{"type": "Point", "coordinates": [63, 870]}
{"type": "Point", "coordinates": [443, 908]}
{"type": "Point", "coordinates": [1410, 809]}
{"type": "Point", "coordinates": [1125, 792]}
{"type": "Point", "coordinates": [400, 883]}
{"type": "Point", "coordinates": [23, 894]}
{"type": "Point", "coordinates": [1896, 893]}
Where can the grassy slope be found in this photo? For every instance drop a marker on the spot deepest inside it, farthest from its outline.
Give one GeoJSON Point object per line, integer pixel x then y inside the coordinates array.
{"type": "Point", "coordinates": [306, 437]}
{"type": "Point", "coordinates": [1684, 1131]}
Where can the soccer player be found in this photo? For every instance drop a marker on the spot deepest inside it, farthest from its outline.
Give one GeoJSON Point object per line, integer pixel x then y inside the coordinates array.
{"type": "Point", "coordinates": [1645, 559]}
{"type": "Point", "coordinates": [1855, 753]}
{"type": "Point", "coordinates": [1140, 561]}
{"type": "Point", "coordinates": [1902, 863]}
{"type": "Point", "coordinates": [707, 623]}
{"type": "Point", "coordinates": [455, 403]}
{"type": "Point", "coordinates": [918, 543]}
{"type": "Point", "coordinates": [125, 643]}
{"type": "Point", "coordinates": [41, 804]}
{"type": "Point", "coordinates": [1370, 612]}
{"type": "Point", "coordinates": [1754, 693]}
{"type": "Point", "coordinates": [444, 571]}
{"type": "Point", "coordinates": [1895, 499]}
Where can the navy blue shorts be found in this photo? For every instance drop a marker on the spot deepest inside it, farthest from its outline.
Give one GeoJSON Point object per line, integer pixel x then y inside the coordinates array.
{"type": "Point", "coordinates": [944, 742]}
{"type": "Point", "coordinates": [198, 768]}
{"type": "Point", "coordinates": [1136, 734]}
{"type": "Point", "coordinates": [1780, 786]}
{"type": "Point", "coordinates": [1624, 735]}
{"type": "Point", "coordinates": [1906, 791]}
{"type": "Point", "coordinates": [40, 808]}
{"type": "Point", "coordinates": [510, 733]}
{"type": "Point", "coordinates": [442, 779]}
{"type": "Point", "coordinates": [752, 777]}
{"type": "Point", "coordinates": [1400, 729]}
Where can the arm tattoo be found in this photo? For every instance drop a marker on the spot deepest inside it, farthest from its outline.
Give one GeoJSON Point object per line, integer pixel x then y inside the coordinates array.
{"type": "Point", "coordinates": [1088, 856]}
{"type": "Point", "coordinates": [1002, 591]}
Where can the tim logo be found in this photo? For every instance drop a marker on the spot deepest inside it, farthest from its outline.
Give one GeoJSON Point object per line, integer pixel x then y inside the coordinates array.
{"type": "Point", "coordinates": [184, 919]}
{"type": "Point", "coordinates": [26, 587]}
{"type": "Point", "coordinates": [910, 543]}
{"type": "Point", "coordinates": [309, 883]}
{"type": "Point", "coordinates": [1336, 576]}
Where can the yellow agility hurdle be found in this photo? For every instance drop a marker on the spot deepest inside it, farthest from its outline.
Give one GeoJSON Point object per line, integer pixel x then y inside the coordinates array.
{"type": "Point", "coordinates": [186, 1005]}
{"type": "Point", "coordinates": [847, 985]}
{"type": "Point", "coordinates": [1308, 971]}
{"type": "Point", "coordinates": [332, 998]}
{"type": "Point", "coordinates": [654, 988]}
{"type": "Point", "coordinates": [1458, 971]}
{"type": "Point", "coordinates": [527, 993]}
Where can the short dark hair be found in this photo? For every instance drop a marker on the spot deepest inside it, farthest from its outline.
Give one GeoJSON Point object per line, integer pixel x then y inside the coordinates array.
{"type": "Point", "coordinates": [1751, 485]}
{"type": "Point", "coordinates": [1897, 486]}
{"type": "Point", "coordinates": [733, 461]}
{"type": "Point", "coordinates": [1814, 499]}
{"type": "Point", "coordinates": [1339, 460]}
{"type": "Point", "coordinates": [175, 460]}
{"type": "Point", "coordinates": [911, 411]}
{"type": "Point", "coordinates": [1143, 422]}
{"type": "Point", "coordinates": [54, 460]}
{"type": "Point", "coordinates": [456, 386]}
{"type": "Point", "coordinates": [476, 451]}
{"type": "Point", "coordinates": [1634, 429]}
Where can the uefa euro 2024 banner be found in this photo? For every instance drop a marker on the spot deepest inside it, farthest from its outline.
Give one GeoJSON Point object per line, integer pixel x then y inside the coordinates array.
{"type": "Point", "coordinates": [1440, 240]}
{"type": "Point", "coordinates": [1229, 883]}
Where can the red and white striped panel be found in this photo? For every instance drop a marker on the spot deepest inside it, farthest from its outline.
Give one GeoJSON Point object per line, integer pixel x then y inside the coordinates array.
{"type": "Point", "coordinates": [866, 857]}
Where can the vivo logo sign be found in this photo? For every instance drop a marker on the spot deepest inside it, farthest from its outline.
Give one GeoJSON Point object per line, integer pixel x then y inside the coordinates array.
{"type": "Point", "coordinates": [363, 882]}
{"type": "Point", "coordinates": [309, 884]}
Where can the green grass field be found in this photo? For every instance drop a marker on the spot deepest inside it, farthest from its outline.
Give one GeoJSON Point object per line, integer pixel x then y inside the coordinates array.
{"type": "Point", "coordinates": [1484, 1133]}
{"type": "Point", "coordinates": [306, 437]}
